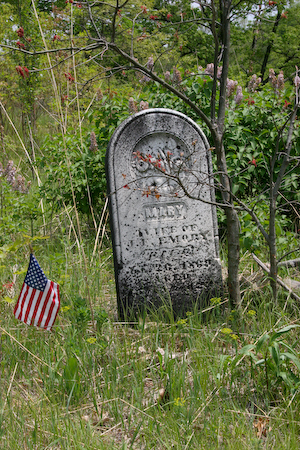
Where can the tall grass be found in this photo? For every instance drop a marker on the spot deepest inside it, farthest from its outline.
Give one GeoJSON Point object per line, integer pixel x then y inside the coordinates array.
{"type": "Point", "coordinates": [146, 385]}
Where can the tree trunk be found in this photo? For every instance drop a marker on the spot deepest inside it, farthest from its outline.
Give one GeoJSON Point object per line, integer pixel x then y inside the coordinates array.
{"type": "Point", "coordinates": [233, 225]}
{"type": "Point", "coordinates": [272, 244]}
{"type": "Point", "coordinates": [233, 245]}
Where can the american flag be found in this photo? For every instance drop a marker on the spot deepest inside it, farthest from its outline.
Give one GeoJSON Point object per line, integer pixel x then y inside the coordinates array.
{"type": "Point", "coordinates": [39, 301]}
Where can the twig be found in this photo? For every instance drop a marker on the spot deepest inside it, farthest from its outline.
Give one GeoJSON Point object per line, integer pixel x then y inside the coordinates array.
{"type": "Point", "coordinates": [289, 262]}
{"type": "Point", "coordinates": [279, 280]}
{"type": "Point", "coordinates": [9, 388]}
{"type": "Point", "coordinates": [28, 351]}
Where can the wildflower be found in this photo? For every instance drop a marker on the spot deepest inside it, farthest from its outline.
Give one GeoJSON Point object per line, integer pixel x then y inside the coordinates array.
{"type": "Point", "coordinates": [271, 3]}
{"type": "Point", "coordinates": [91, 340]}
{"type": "Point", "coordinates": [254, 83]}
{"type": "Point", "coordinates": [26, 71]}
{"type": "Point", "coordinates": [226, 330]}
{"type": "Point", "coordinates": [176, 76]}
{"type": "Point", "coordinates": [145, 79]}
{"type": "Point", "coordinates": [132, 106]}
{"type": "Point", "coordinates": [144, 9]}
{"type": "Point", "coordinates": [215, 301]}
{"type": "Point", "coordinates": [231, 85]}
{"type": "Point", "coordinates": [179, 401]}
{"type": "Point", "coordinates": [10, 172]}
{"type": "Point", "coordinates": [56, 38]}
{"type": "Point", "coordinates": [20, 32]}
{"type": "Point", "coordinates": [169, 15]}
{"type": "Point", "coordinates": [286, 104]}
{"type": "Point", "coordinates": [150, 63]}
{"type": "Point", "coordinates": [210, 71]}
{"type": "Point", "coordinates": [144, 105]}
{"type": "Point", "coordinates": [168, 76]}
{"type": "Point", "coordinates": [188, 313]}
{"type": "Point", "coordinates": [181, 322]}
{"type": "Point", "coordinates": [239, 95]}
{"type": "Point", "coordinates": [251, 101]}
{"type": "Point", "coordinates": [65, 308]}
{"type": "Point", "coordinates": [28, 39]}
{"type": "Point", "coordinates": [251, 313]}
{"type": "Point", "coordinates": [99, 94]}
{"type": "Point", "coordinates": [280, 80]}
{"type": "Point", "coordinates": [234, 336]}
{"type": "Point", "coordinates": [253, 162]}
{"type": "Point", "coordinates": [152, 17]}
{"type": "Point", "coordinates": [94, 145]}
{"type": "Point", "coordinates": [19, 184]}
{"type": "Point", "coordinates": [297, 81]}
{"type": "Point", "coordinates": [277, 82]}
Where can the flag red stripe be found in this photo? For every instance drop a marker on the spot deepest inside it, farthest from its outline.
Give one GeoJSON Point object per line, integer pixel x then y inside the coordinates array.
{"type": "Point", "coordinates": [36, 307]}
{"type": "Point", "coordinates": [49, 314]}
{"type": "Point", "coordinates": [58, 306]}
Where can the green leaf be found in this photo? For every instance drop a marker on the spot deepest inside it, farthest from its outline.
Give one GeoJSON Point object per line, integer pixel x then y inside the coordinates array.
{"type": "Point", "coordinates": [292, 358]}
{"type": "Point", "coordinates": [274, 350]}
{"type": "Point", "coordinates": [261, 341]}
{"type": "Point", "coordinates": [283, 331]}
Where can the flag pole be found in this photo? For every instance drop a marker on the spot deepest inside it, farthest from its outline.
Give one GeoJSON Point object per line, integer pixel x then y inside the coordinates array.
{"type": "Point", "coordinates": [30, 248]}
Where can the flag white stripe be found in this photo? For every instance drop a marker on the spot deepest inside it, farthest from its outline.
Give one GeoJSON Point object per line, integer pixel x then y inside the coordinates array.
{"type": "Point", "coordinates": [27, 307]}
{"type": "Point", "coordinates": [35, 299]}
{"type": "Point", "coordinates": [20, 300]}
{"type": "Point", "coordinates": [26, 303]}
{"type": "Point", "coordinates": [43, 299]}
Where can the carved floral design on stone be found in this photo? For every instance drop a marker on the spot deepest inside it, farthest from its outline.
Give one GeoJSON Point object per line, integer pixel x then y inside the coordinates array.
{"type": "Point", "coordinates": [156, 158]}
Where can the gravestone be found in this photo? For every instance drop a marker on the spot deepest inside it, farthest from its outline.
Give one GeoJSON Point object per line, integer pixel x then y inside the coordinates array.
{"type": "Point", "coordinates": [162, 213]}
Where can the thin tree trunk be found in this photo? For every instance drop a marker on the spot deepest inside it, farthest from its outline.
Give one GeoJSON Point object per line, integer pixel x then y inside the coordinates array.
{"type": "Point", "coordinates": [233, 243]}
{"type": "Point", "coordinates": [272, 244]}
{"type": "Point", "coordinates": [270, 45]}
{"type": "Point", "coordinates": [233, 226]}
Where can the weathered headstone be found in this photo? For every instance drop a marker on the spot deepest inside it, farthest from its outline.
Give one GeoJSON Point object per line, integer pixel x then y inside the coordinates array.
{"type": "Point", "coordinates": [165, 243]}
